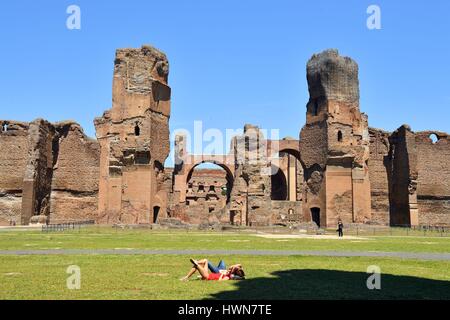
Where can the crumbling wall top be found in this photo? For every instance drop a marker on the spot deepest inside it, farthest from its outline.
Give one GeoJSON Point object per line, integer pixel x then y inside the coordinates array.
{"type": "Point", "coordinates": [332, 76]}
{"type": "Point", "coordinates": [140, 67]}
{"type": "Point", "coordinates": [8, 126]}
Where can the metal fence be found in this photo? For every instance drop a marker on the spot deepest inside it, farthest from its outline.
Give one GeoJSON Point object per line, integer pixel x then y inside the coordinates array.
{"type": "Point", "coordinates": [423, 230]}
{"type": "Point", "coordinates": [350, 229]}
{"type": "Point", "coordinates": [60, 227]}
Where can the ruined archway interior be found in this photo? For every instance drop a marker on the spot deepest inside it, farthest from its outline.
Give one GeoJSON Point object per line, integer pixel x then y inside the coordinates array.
{"type": "Point", "coordinates": [278, 184]}
{"type": "Point", "coordinates": [208, 188]}
{"type": "Point", "coordinates": [287, 177]}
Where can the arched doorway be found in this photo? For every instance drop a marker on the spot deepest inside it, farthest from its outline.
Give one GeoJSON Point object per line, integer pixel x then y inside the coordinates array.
{"type": "Point", "coordinates": [156, 210]}
{"type": "Point", "coordinates": [278, 184]}
{"type": "Point", "coordinates": [315, 216]}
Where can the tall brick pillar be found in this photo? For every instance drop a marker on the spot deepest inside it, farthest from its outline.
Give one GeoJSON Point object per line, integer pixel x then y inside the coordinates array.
{"type": "Point", "coordinates": [334, 143]}
{"type": "Point", "coordinates": [38, 173]}
{"type": "Point", "coordinates": [134, 139]}
{"type": "Point", "coordinates": [403, 179]}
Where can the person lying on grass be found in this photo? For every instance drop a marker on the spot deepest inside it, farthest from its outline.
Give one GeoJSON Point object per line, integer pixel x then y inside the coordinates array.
{"type": "Point", "coordinates": [219, 273]}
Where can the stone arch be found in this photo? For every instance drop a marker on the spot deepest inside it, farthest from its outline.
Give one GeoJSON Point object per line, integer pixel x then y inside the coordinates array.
{"type": "Point", "coordinates": [295, 178]}
{"type": "Point", "coordinates": [279, 187]}
{"type": "Point", "coordinates": [286, 145]}
{"type": "Point", "coordinates": [292, 152]}
{"type": "Point", "coordinates": [229, 174]}
{"type": "Point", "coordinates": [434, 138]}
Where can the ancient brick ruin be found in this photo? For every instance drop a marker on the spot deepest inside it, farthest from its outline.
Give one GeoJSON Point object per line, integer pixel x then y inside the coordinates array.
{"type": "Point", "coordinates": [47, 170]}
{"type": "Point", "coordinates": [134, 139]}
{"type": "Point", "coordinates": [339, 168]}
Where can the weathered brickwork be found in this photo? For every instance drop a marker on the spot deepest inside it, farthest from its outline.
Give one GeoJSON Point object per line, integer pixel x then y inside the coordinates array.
{"type": "Point", "coordinates": [74, 194]}
{"type": "Point", "coordinates": [433, 184]}
{"type": "Point", "coordinates": [339, 168]}
{"type": "Point", "coordinates": [379, 166]}
{"type": "Point", "coordinates": [334, 143]}
{"type": "Point", "coordinates": [13, 160]}
{"type": "Point", "coordinates": [206, 197]}
{"type": "Point", "coordinates": [134, 139]}
{"type": "Point", "coordinates": [403, 182]}
{"type": "Point", "coordinates": [49, 172]}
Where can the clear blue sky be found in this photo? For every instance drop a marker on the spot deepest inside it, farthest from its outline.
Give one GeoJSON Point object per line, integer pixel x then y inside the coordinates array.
{"type": "Point", "coordinates": [231, 62]}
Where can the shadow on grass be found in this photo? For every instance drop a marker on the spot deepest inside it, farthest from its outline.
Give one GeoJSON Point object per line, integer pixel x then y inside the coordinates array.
{"type": "Point", "coordinates": [333, 284]}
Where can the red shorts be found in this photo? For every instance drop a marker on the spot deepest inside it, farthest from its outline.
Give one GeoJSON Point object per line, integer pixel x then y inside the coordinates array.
{"type": "Point", "coordinates": [214, 276]}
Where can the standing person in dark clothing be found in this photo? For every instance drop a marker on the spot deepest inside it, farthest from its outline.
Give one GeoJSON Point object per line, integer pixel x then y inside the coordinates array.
{"type": "Point", "coordinates": [340, 229]}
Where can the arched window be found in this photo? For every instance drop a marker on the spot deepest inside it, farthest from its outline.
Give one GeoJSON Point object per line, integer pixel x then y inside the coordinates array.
{"type": "Point", "coordinates": [201, 188]}
{"type": "Point", "coordinates": [212, 189]}
{"type": "Point", "coordinates": [137, 130]}
{"type": "Point", "coordinates": [434, 138]}
{"type": "Point", "coordinates": [339, 136]}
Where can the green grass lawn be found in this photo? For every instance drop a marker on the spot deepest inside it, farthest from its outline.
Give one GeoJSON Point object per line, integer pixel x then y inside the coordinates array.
{"type": "Point", "coordinates": [108, 238]}
{"type": "Point", "coordinates": [269, 277]}
{"type": "Point", "coordinates": [156, 277]}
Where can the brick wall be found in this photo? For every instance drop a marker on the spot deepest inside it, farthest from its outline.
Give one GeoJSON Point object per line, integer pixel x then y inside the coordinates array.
{"type": "Point", "coordinates": [433, 188]}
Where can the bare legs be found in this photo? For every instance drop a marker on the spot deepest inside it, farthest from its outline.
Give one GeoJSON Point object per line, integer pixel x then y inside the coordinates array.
{"type": "Point", "coordinates": [202, 268]}
{"type": "Point", "coordinates": [190, 273]}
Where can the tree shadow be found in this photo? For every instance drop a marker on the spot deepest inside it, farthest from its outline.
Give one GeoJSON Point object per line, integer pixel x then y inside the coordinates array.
{"type": "Point", "coordinates": [334, 285]}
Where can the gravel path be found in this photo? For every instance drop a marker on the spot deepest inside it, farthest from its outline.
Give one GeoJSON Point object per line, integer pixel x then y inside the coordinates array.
{"type": "Point", "coordinates": [402, 255]}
